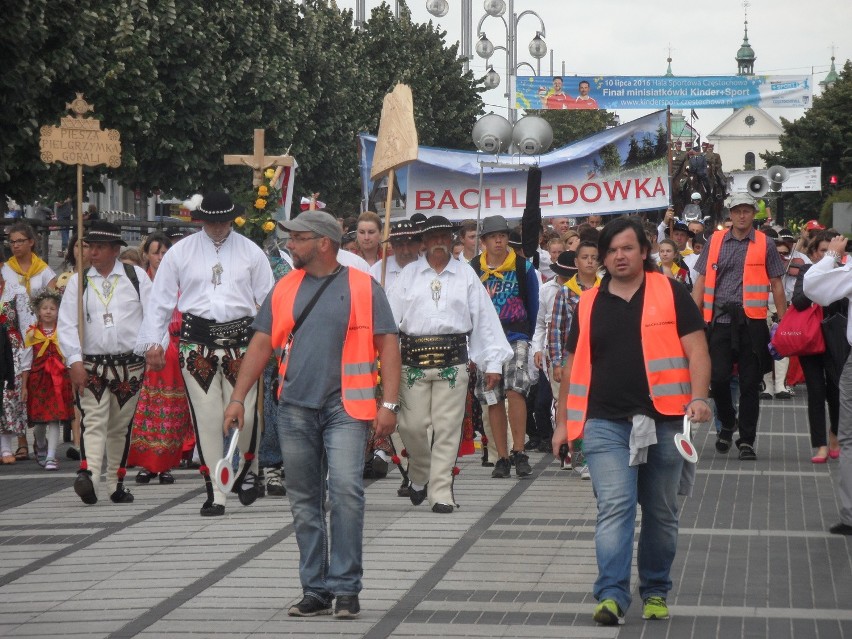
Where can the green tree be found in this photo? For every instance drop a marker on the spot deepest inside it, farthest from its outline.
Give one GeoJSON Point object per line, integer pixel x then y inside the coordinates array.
{"type": "Point", "coordinates": [822, 137]}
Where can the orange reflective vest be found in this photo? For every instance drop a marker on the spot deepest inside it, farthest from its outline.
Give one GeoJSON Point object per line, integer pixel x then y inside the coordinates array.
{"type": "Point", "coordinates": [666, 365]}
{"type": "Point", "coordinates": [358, 374]}
{"type": "Point", "coordinates": [755, 278]}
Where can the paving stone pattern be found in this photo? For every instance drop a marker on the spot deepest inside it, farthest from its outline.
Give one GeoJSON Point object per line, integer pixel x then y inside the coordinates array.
{"type": "Point", "coordinates": [516, 560]}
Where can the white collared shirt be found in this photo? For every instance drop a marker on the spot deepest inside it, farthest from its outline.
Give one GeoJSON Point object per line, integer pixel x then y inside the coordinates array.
{"type": "Point", "coordinates": [125, 306]}
{"type": "Point", "coordinates": [26, 317]}
{"type": "Point", "coordinates": [187, 268]}
{"type": "Point", "coordinates": [824, 284]}
{"type": "Point", "coordinates": [462, 307]}
{"type": "Point", "coordinates": [348, 258]}
{"type": "Point", "coordinates": [546, 298]}
{"type": "Point", "coordinates": [391, 272]}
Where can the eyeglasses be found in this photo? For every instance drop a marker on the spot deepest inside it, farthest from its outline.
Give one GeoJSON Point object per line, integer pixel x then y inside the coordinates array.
{"type": "Point", "coordinates": [18, 242]}
{"type": "Point", "coordinates": [293, 238]}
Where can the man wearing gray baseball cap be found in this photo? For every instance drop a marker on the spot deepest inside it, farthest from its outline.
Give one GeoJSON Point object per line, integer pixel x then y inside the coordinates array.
{"type": "Point", "coordinates": [317, 222]}
{"type": "Point", "coordinates": [327, 376]}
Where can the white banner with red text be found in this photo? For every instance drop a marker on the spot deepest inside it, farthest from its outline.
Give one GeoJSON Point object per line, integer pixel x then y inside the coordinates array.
{"type": "Point", "coordinates": [621, 170]}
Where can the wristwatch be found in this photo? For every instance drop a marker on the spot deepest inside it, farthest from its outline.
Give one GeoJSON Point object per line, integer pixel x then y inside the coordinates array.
{"type": "Point", "coordinates": [394, 408]}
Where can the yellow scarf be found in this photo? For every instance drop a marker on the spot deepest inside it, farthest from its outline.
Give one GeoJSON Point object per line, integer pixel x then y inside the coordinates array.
{"type": "Point", "coordinates": [37, 265]}
{"type": "Point", "coordinates": [574, 284]}
{"type": "Point", "coordinates": [507, 266]}
{"type": "Point", "coordinates": [36, 336]}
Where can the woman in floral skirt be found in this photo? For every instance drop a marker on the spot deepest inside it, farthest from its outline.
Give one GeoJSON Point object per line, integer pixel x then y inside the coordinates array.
{"type": "Point", "coordinates": [162, 421]}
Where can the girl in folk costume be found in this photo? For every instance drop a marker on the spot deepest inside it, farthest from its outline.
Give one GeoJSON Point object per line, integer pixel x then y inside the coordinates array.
{"type": "Point", "coordinates": [33, 274]}
{"type": "Point", "coordinates": [162, 423]}
{"type": "Point", "coordinates": [50, 403]}
{"type": "Point", "coordinates": [13, 422]}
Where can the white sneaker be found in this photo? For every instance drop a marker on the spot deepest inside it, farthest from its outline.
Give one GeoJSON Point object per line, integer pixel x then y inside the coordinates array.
{"type": "Point", "coordinates": [583, 472]}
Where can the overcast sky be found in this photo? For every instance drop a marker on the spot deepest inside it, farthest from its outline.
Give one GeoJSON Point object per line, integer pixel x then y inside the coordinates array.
{"type": "Point", "coordinates": [626, 37]}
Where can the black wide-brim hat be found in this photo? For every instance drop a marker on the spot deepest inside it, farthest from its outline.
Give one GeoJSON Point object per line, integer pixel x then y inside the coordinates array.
{"type": "Point", "coordinates": [434, 223]}
{"type": "Point", "coordinates": [565, 264]}
{"type": "Point", "coordinates": [217, 207]}
{"type": "Point", "coordinates": [404, 229]}
{"type": "Point", "coordinates": [104, 232]}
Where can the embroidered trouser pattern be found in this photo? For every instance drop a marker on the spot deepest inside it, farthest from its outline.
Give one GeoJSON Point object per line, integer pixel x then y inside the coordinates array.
{"type": "Point", "coordinates": [107, 407]}
{"type": "Point", "coordinates": [436, 397]}
{"type": "Point", "coordinates": [210, 375]}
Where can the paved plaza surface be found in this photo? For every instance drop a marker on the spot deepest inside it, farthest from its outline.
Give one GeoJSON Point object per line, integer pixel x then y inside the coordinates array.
{"type": "Point", "coordinates": [516, 560]}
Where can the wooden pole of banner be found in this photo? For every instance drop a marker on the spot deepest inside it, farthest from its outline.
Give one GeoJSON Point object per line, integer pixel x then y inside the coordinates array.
{"type": "Point", "coordinates": [79, 260]}
{"type": "Point", "coordinates": [669, 158]}
{"type": "Point", "coordinates": [396, 146]}
{"type": "Point", "coordinates": [386, 228]}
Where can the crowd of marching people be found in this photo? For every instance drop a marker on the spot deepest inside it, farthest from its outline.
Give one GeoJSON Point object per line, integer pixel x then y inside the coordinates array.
{"type": "Point", "coordinates": [343, 349]}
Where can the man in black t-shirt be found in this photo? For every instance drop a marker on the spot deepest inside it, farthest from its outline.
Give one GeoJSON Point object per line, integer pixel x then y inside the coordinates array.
{"type": "Point", "coordinates": [637, 363]}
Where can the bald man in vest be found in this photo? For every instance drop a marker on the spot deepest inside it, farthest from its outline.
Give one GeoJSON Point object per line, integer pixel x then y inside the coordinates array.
{"type": "Point", "coordinates": [637, 362]}
{"type": "Point", "coordinates": [736, 273]}
{"type": "Point", "coordinates": [326, 403]}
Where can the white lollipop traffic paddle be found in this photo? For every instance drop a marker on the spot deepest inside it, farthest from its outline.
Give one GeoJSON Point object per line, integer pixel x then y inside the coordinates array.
{"type": "Point", "coordinates": [224, 475]}
{"type": "Point", "coordinates": [684, 444]}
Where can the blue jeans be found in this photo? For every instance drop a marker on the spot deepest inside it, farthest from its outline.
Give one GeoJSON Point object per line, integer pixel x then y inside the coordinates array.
{"type": "Point", "coordinates": [316, 443]}
{"type": "Point", "coordinates": [618, 488]}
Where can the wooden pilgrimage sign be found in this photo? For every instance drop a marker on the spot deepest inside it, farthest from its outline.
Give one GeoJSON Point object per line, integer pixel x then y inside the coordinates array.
{"type": "Point", "coordinates": [396, 146]}
{"type": "Point", "coordinates": [258, 161]}
{"type": "Point", "coordinates": [79, 140]}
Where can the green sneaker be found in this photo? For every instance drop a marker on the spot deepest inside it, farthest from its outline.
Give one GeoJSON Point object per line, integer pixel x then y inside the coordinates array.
{"type": "Point", "coordinates": [608, 613]}
{"type": "Point", "coordinates": [655, 608]}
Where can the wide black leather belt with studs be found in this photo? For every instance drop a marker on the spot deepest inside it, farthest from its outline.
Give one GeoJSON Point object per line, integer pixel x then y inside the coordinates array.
{"type": "Point", "coordinates": [433, 351]}
{"type": "Point", "coordinates": [200, 330]}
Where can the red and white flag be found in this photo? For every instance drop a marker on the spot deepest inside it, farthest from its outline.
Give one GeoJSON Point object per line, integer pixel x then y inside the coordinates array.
{"type": "Point", "coordinates": [286, 178]}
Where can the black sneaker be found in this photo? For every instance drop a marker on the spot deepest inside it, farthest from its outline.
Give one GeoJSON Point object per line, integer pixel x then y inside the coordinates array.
{"type": "Point", "coordinates": [502, 469]}
{"type": "Point", "coordinates": [521, 462]}
{"type": "Point", "coordinates": [309, 607]}
{"type": "Point", "coordinates": [532, 444]}
{"type": "Point", "coordinates": [747, 452]}
{"type": "Point", "coordinates": [723, 442]}
{"type": "Point", "coordinates": [347, 607]}
{"type": "Point", "coordinates": [274, 486]}
{"type": "Point", "coordinates": [84, 488]}
{"type": "Point", "coordinates": [545, 446]}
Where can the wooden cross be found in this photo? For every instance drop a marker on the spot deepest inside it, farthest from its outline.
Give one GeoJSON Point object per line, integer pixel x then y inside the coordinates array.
{"type": "Point", "coordinates": [258, 161]}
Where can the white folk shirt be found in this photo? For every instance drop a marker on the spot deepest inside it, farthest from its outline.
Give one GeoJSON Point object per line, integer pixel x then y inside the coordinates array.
{"type": "Point", "coordinates": [391, 273]}
{"type": "Point", "coordinates": [824, 284]}
{"type": "Point", "coordinates": [462, 307]}
{"type": "Point", "coordinates": [26, 317]}
{"type": "Point", "coordinates": [187, 268]}
{"type": "Point", "coordinates": [125, 306]}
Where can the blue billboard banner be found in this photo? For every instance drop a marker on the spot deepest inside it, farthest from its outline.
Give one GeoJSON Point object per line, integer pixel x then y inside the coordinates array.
{"type": "Point", "coordinates": [659, 92]}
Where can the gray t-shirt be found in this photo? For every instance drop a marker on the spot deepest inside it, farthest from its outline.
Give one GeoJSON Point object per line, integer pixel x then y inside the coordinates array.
{"type": "Point", "coordinates": [313, 370]}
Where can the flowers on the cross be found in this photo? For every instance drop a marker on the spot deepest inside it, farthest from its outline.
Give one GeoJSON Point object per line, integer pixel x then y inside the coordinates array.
{"type": "Point", "coordinates": [257, 223]}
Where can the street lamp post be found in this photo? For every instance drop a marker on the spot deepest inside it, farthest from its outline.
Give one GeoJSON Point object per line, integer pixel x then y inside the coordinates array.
{"type": "Point", "coordinates": [440, 8]}
{"type": "Point", "coordinates": [485, 48]}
